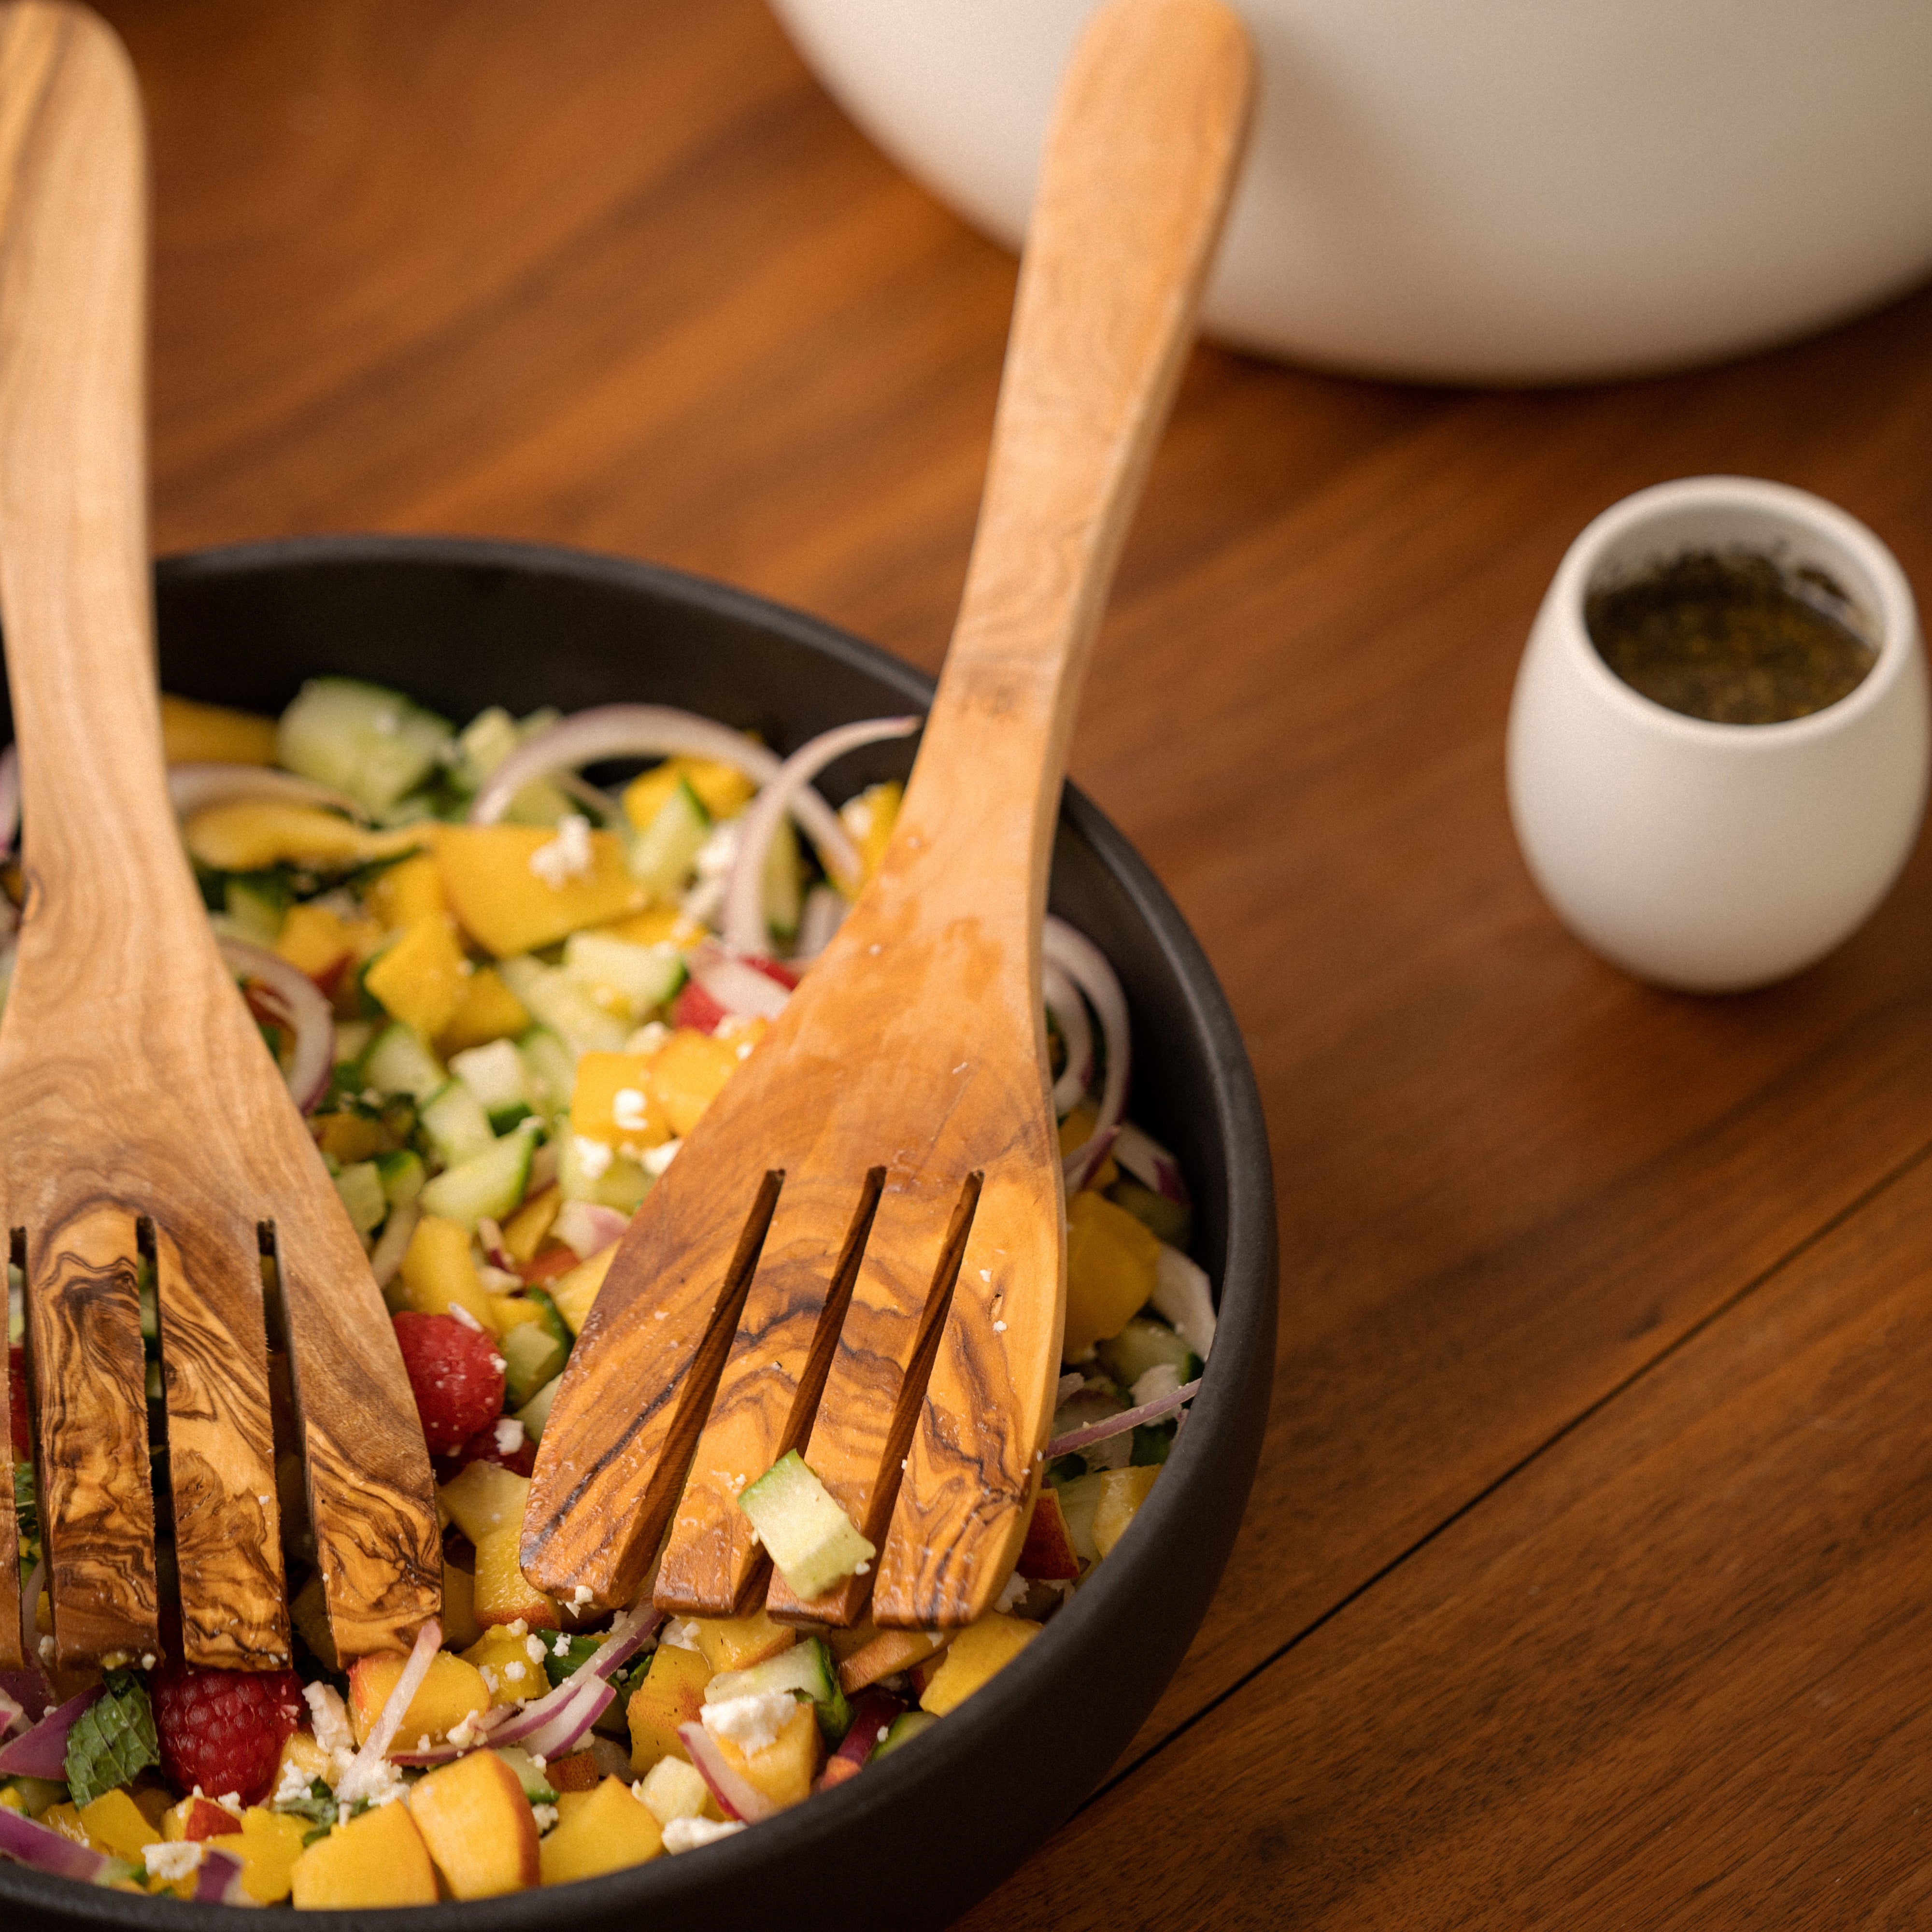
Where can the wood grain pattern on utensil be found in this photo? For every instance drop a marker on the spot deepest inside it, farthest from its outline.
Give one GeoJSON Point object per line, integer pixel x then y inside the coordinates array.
{"type": "Point", "coordinates": [137, 1085]}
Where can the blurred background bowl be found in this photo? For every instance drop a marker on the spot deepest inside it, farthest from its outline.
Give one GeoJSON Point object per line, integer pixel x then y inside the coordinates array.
{"type": "Point", "coordinates": [1477, 190]}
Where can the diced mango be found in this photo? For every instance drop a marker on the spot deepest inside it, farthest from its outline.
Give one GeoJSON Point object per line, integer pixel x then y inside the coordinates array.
{"type": "Point", "coordinates": [251, 834]}
{"type": "Point", "coordinates": [524, 1232]}
{"type": "Point", "coordinates": [785, 1769]}
{"type": "Point", "coordinates": [657, 925]}
{"type": "Point", "coordinates": [347, 1138]}
{"type": "Point", "coordinates": [65, 1819]}
{"type": "Point", "coordinates": [507, 1665]}
{"type": "Point", "coordinates": [211, 734]}
{"type": "Point", "coordinates": [499, 884]}
{"type": "Point", "coordinates": [113, 1821]}
{"type": "Point", "coordinates": [439, 1272]}
{"type": "Point", "coordinates": [1111, 1258]}
{"type": "Point", "coordinates": [614, 1102]}
{"type": "Point", "coordinates": [269, 1845]}
{"type": "Point", "coordinates": [609, 1831]}
{"type": "Point", "coordinates": [301, 1750]}
{"type": "Point", "coordinates": [687, 1073]}
{"type": "Point", "coordinates": [670, 1693]}
{"type": "Point", "coordinates": [1075, 1131]}
{"type": "Point", "coordinates": [513, 1311]}
{"type": "Point", "coordinates": [1122, 1492]}
{"type": "Point", "coordinates": [488, 1010]}
{"type": "Point", "coordinates": [420, 978]}
{"type": "Point", "coordinates": [574, 1293]}
{"type": "Point", "coordinates": [483, 1498]}
{"type": "Point", "coordinates": [736, 1643]}
{"type": "Point", "coordinates": [411, 889]}
{"type": "Point", "coordinates": [479, 1826]}
{"type": "Point", "coordinates": [460, 1626]}
{"type": "Point", "coordinates": [504, 1595]}
{"type": "Point", "coordinates": [723, 790]}
{"type": "Point", "coordinates": [870, 818]}
{"type": "Point", "coordinates": [315, 939]}
{"type": "Point", "coordinates": [379, 1858]}
{"type": "Point", "coordinates": [452, 1691]}
{"type": "Point", "coordinates": [973, 1656]}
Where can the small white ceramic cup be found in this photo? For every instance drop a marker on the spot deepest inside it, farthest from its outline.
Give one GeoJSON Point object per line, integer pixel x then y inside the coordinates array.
{"type": "Point", "coordinates": [1713, 857]}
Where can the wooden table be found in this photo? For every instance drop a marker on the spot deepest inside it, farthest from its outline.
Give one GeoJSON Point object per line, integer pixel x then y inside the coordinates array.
{"type": "Point", "coordinates": [1583, 1581]}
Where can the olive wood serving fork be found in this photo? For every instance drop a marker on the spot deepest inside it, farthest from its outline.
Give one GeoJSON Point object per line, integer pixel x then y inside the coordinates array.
{"type": "Point", "coordinates": [142, 1118]}
{"type": "Point", "coordinates": [872, 1212]}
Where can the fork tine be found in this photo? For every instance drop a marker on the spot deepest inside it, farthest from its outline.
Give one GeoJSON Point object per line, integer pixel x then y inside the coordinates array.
{"type": "Point", "coordinates": [97, 1501]}
{"type": "Point", "coordinates": [221, 1465]}
{"type": "Point", "coordinates": [770, 1390]}
{"type": "Point", "coordinates": [864, 1425]}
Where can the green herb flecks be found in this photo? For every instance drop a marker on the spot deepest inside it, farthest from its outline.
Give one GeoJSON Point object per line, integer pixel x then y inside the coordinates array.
{"type": "Point", "coordinates": [111, 1740]}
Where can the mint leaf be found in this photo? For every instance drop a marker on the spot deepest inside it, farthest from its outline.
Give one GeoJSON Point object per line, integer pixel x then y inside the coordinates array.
{"type": "Point", "coordinates": [111, 1739]}
{"type": "Point", "coordinates": [578, 1650]}
{"type": "Point", "coordinates": [317, 1803]}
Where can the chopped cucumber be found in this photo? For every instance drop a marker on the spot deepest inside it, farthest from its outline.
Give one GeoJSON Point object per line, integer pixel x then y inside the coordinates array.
{"type": "Point", "coordinates": [550, 1070]}
{"type": "Point", "coordinates": [1171, 1221]}
{"type": "Point", "coordinates": [609, 970]}
{"type": "Point", "coordinates": [531, 1356]}
{"type": "Point", "coordinates": [373, 743]}
{"type": "Point", "coordinates": [563, 1005]}
{"type": "Point", "coordinates": [360, 1187]}
{"type": "Point", "coordinates": [455, 1125]}
{"type": "Point", "coordinates": [495, 1074]}
{"type": "Point", "coordinates": [35, 1794]}
{"type": "Point", "coordinates": [589, 1171]}
{"type": "Point", "coordinates": [400, 1062]}
{"type": "Point", "coordinates": [578, 1650]}
{"type": "Point", "coordinates": [662, 854]}
{"type": "Point", "coordinates": [537, 1788]}
{"type": "Point", "coordinates": [810, 1538]}
{"type": "Point", "coordinates": [1078, 1500]}
{"type": "Point", "coordinates": [552, 1320]}
{"type": "Point", "coordinates": [806, 1669]}
{"type": "Point", "coordinates": [402, 1175]}
{"type": "Point", "coordinates": [535, 1413]}
{"type": "Point", "coordinates": [784, 881]}
{"type": "Point", "coordinates": [490, 1183]}
{"type": "Point", "coordinates": [257, 906]}
{"type": "Point", "coordinates": [486, 741]}
{"type": "Point", "coordinates": [1143, 1344]}
{"type": "Point", "coordinates": [906, 1726]}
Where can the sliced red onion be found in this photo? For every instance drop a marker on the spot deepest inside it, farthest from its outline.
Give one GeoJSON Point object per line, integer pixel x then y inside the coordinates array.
{"type": "Point", "coordinates": [1182, 1293]}
{"type": "Point", "coordinates": [1085, 1161]}
{"type": "Point", "coordinates": [194, 788]}
{"type": "Point", "coordinates": [364, 1770]}
{"type": "Point", "coordinates": [608, 809]}
{"type": "Point", "coordinates": [44, 1849]}
{"type": "Point", "coordinates": [9, 796]}
{"type": "Point", "coordinates": [217, 1881]}
{"type": "Point", "coordinates": [745, 929]}
{"type": "Point", "coordinates": [1118, 1425]}
{"type": "Point", "coordinates": [1150, 1164]}
{"type": "Point", "coordinates": [872, 1718]}
{"type": "Point", "coordinates": [821, 916]}
{"type": "Point", "coordinates": [1086, 966]}
{"type": "Point", "coordinates": [588, 1229]}
{"type": "Point", "coordinates": [11, 1711]}
{"type": "Point", "coordinates": [1071, 1383]}
{"type": "Point", "coordinates": [561, 1734]}
{"type": "Point", "coordinates": [656, 730]}
{"type": "Point", "coordinates": [42, 1751]}
{"type": "Point", "coordinates": [308, 1014]}
{"type": "Point", "coordinates": [1070, 1014]}
{"type": "Point", "coordinates": [737, 1797]}
{"type": "Point", "coordinates": [28, 1688]}
{"type": "Point", "coordinates": [490, 1238]}
{"type": "Point", "coordinates": [737, 984]}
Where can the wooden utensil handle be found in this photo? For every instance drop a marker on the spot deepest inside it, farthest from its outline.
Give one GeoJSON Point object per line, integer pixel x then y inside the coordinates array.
{"type": "Point", "coordinates": [1134, 181]}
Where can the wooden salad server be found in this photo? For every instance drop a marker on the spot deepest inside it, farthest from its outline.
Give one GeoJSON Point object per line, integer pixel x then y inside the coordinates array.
{"type": "Point", "coordinates": [872, 1210]}
{"type": "Point", "coordinates": [142, 1121]}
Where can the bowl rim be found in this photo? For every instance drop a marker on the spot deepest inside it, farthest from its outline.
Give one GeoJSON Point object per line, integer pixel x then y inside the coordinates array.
{"type": "Point", "coordinates": [1223, 1413]}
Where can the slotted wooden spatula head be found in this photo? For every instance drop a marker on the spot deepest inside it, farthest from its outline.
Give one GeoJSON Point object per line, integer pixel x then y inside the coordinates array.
{"type": "Point", "coordinates": [142, 1119]}
{"type": "Point", "coordinates": [860, 1250]}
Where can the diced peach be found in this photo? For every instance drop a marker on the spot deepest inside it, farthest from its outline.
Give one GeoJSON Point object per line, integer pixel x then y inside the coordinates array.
{"type": "Point", "coordinates": [479, 1826]}
{"type": "Point", "coordinates": [460, 1626]}
{"type": "Point", "coordinates": [212, 734]}
{"type": "Point", "coordinates": [974, 1655]}
{"type": "Point", "coordinates": [613, 1102]}
{"type": "Point", "coordinates": [503, 1594]}
{"type": "Point", "coordinates": [439, 1272]}
{"type": "Point", "coordinates": [507, 1665]}
{"type": "Point", "coordinates": [784, 1771]}
{"type": "Point", "coordinates": [198, 1818]}
{"type": "Point", "coordinates": [452, 1691]}
{"type": "Point", "coordinates": [574, 1292]}
{"type": "Point", "coordinates": [1122, 1492]}
{"type": "Point", "coordinates": [419, 978]}
{"type": "Point", "coordinates": [608, 1831]}
{"type": "Point", "coordinates": [1110, 1270]}
{"type": "Point", "coordinates": [483, 1498]}
{"type": "Point", "coordinates": [671, 1693]}
{"type": "Point", "coordinates": [889, 1650]}
{"type": "Point", "coordinates": [569, 1803]}
{"type": "Point", "coordinates": [736, 1643]}
{"type": "Point", "coordinates": [577, 1772]}
{"type": "Point", "coordinates": [268, 1846]}
{"type": "Point", "coordinates": [488, 1010]}
{"type": "Point", "coordinates": [113, 1821]}
{"type": "Point", "coordinates": [509, 905]}
{"type": "Point", "coordinates": [688, 1072]}
{"type": "Point", "coordinates": [1048, 1553]}
{"type": "Point", "coordinates": [379, 1858]}
{"type": "Point", "coordinates": [409, 890]}
{"type": "Point", "coordinates": [525, 1231]}
{"type": "Point", "coordinates": [300, 1749]}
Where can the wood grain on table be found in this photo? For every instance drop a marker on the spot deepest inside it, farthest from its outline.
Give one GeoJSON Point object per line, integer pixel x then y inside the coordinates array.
{"type": "Point", "coordinates": [1586, 1288]}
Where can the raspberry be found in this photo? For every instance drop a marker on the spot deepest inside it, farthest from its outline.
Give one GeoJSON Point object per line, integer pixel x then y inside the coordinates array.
{"type": "Point", "coordinates": [456, 1375]}
{"type": "Point", "coordinates": [485, 1446]}
{"type": "Point", "coordinates": [223, 1729]}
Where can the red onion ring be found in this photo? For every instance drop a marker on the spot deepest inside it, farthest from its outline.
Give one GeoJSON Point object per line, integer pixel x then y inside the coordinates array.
{"type": "Point", "coordinates": [743, 990]}
{"type": "Point", "coordinates": [654, 731]}
{"type": "Point", "coordinates": [1150, 1164]}
{"type": "Point", "coordinates": [194, 788]}
{"type": "Point", "coordinates": [43, 1849]}
{"type": "Point", "coordinates": [359, 1780]}
{"type": "Point", "coordinates": [1111, 1426]}
{"type": "Point", "coordinates": [310, 1017]}
{"type": "Point", "coordinates": [789, 786]}
{"type": "Point", "coordinates": [819, 920]}
{"type": "Point", "coordinates": [1070, 1014]}
{"type": "Point", "coordinates": [42, 1751]}
{"type": "Point", "coordinates": [586, 1228]}
{"type": "Point", "coordinates": [11, 1711]}
{"type": "Point", "coordinates": [1086, 965]}
{"type": "Point", "coordinates": [737, 1797]}
{"type": "Point", "coordinates": [217, 1880]}
{"type": "Point", "coordinates": [28, 1688]}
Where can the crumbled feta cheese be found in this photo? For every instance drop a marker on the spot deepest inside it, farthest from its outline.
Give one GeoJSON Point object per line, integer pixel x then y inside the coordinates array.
{"type": "Point", "coordinates": [752, 1722]}
{"type": "Point", "coordinates": [1015, 1589]}
{"type": "Point", "coordinates": [465, 1734]}
{"type": "Point", "coordinates": [885, 1732]}
{"type": "Point", "coordinates": [686, 1834]}
{"type": "Point", "coordinates": [561, 1646]}
{"type": "Point", "coordinates": [533, 1648]}
{"type": "Point", "coordinates": [176, 1860]}
{"type": "Point", "coordinates": [491, 1682]}
{"type": "Point", "coordinates": [630, 1110]}
{"type": "Point", "coordinates": [715, 855]}
{"type": "Point", "coordinates": [294, 1784]}
{"type": "Point", "coordinates": [509, 1435]}
{"type": "Point", "coordinates": [862, 1568]}
{"type": "Point", "coordinates": [515, 1673]}
{"type": "Point", "coordinates": [518, 1627]}
{"type": "Point", "coordinates": [148, 1656]}
{"type": "Point", "coordinates": [546, 1816]}
{"type": "Point", "coordinates": [229, 1801]}
{"type": "Point", "coordinates": [329, 1718]}
{"type": "Point", "coordinates": [1159, 1381]}
{"type": "Point", "coordinates": [593, 1157]}
{"type": "Point", "coordinates": [580, 1596]}
{"type": "Point", "coordinates": [678, 1635]}
{"type": "Point", "coordinates": [422, 1742]}
{"type": "Point", "coordinates": [569, 856]}
{"type": "Point", "coordinates": [657, 1158]}
{"type": "Point", "coordinates": [463, 1315]}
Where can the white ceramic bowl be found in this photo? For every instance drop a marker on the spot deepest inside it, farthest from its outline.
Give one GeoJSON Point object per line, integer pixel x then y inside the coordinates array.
{"type": "Point", "coordinates": [1477, 190]}
{"type": "Point", "coordinates": [1704, 856]}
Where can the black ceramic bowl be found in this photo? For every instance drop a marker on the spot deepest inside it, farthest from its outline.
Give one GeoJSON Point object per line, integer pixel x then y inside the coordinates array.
{"type": "Point", "coordinates": [915, 1840]}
